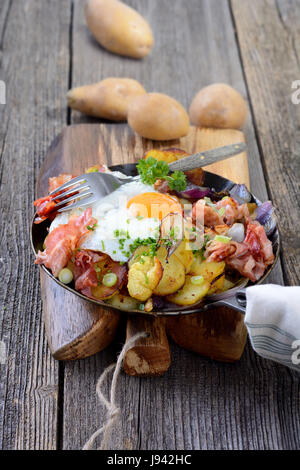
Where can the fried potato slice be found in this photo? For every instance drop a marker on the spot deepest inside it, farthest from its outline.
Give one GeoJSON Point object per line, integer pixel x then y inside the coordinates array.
{"type": "Point", "coordinates": [123, 302]}
{"type": "Point", "coordinates": [227, 284]}
{"type": "Point", "coordinates": [190, 293]}
{"type": "Point", "coordinates": [217, 286]}
{"type": "Point", "coordinates": [185, 255]}
{"type": "Point", "coordinates": [104, 266]}
{"type": "Point", "coordinates": [138, 254]}
{"type": "Point", "coordinates": [209, 270]}
{"type": "Point", "coordinates": [167, 155]}
{"type": "Point", "coordinates": [143, 276]}
{"type": "Point", "coordinates": [173, 273]}
{"type": "Point", "coordinates": [195, 176]}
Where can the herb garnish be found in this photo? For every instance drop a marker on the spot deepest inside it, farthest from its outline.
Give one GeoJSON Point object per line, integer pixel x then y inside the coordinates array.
{"type": "Point", "coordinates": [151, 170]}
{"type": "Point", "coordinates": [92, 227]}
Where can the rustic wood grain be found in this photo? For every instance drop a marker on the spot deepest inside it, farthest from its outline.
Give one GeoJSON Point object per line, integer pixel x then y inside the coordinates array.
{"type": "Point", "coordinates": [197, 404]}
{"type": "Point", "coordinates": [150, 356]}
{"type": "Point", "coordinates": [219, 334]}
{"type": "Point", "coordinates": [269, 35]}
{"type": "Point", "coordinates": [34, 64]}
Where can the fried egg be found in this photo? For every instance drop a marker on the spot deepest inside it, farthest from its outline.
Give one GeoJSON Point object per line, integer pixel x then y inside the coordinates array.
{"type": "Point", "coordinates": [133, 211]}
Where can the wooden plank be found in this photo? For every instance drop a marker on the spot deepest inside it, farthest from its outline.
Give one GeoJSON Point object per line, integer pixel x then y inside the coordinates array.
{"type": "Point", "coordinates": [198, 404]}
{"type": "Point", "coordinates": [269, 36]}
{"type": "Point", "coordinates": [34, 64]}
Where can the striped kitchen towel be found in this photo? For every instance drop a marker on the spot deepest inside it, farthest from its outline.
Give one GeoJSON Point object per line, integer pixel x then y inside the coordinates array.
{"type": "Point", "coordinates": [273, 322]}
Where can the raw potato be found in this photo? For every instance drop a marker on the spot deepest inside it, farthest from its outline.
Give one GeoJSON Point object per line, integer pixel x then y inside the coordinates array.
{"type": "Point", "coordinates": [208, 269]}
{"type": "Point", "coordinates": [185, 255]}
{"type": "Point", "coordinates": [144, 277]}
{"type": "Point", "coordinates": [123, 302]}
{"type": "Point", "coordinates": [119, 28]}
{"type": "Point", "coordinates": [190, 293]}
{"type": "Point", "coordinates": [158, 117]}
{"type": "Point", "coordinates": [219, 106]}
{"type": "Point", "coordinates": [107, 99]}
{"type": "Point", "coordinates": [173, 273]}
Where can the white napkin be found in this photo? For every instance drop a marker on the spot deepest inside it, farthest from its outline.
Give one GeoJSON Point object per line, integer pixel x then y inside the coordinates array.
{"type": "Point", "coordinates": [273, 322]}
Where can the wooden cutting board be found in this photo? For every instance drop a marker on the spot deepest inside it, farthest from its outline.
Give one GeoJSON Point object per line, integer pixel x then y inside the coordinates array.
{"type": "Point", "coordinates": [76, 328]}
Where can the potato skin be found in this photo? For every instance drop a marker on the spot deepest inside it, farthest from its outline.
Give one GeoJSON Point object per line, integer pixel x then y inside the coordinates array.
{"type": "Point", "coordinates": [220, 106]}
{"type": "Point", "coordinates": [157, 116]}
{"type": "Point", "coordinates": [107, 99]}
{"type": "Point", "coordinates": [119, 28]}
{"type": "Point", "coordinates": [173, 274]}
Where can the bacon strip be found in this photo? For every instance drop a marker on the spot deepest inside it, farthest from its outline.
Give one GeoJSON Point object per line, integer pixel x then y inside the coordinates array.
{"type": "Point", "coordinates": [84, 273]}
{"type": "Point", "coordinates": [86, 277]}
{"type": "Point", "coordinates": [249, 258]}
{"type": "Point", "coordinates": [63, 240]}
{"type": "Point", "coordinates": [45, 206]}
{"type": "Point", "coordinates": [233, 211]}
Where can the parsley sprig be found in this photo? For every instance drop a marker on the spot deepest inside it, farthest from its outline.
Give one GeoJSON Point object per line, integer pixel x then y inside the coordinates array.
{"type": "Point", "coordinates": [151, 170]}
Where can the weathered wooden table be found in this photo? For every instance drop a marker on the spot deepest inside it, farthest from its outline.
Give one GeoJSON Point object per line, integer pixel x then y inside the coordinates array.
{"type": "Point", "coordinates": [45, 48]}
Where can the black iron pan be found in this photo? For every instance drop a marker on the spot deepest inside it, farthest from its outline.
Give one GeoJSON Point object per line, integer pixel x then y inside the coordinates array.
{"type": "Point", "coordinates": [234, 298]}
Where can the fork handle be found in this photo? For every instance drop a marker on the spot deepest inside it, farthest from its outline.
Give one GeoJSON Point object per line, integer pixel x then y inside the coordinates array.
{"type": "Point", "coordinates": [208, 157]}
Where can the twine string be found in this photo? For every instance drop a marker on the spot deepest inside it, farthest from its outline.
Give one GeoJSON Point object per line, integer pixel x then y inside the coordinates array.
{"type": "Point", "coordinates": [113, 411]}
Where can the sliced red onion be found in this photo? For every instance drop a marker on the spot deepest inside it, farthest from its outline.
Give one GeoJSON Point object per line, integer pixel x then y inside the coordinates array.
{"type": "Point", "coordinates": [265, 215]}
{"type": "Point", "coordinates": [193, 191]}
{"type": "Point", "coordinates": [240, 193]}
{"type": "Point", "coordinates": [237, 232]}
{"type": "Point", "coordinates": [158, 302]}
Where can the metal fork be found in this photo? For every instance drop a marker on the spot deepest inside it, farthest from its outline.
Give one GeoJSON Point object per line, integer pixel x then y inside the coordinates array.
{"type": "Point", "coordinates": [90, 187]}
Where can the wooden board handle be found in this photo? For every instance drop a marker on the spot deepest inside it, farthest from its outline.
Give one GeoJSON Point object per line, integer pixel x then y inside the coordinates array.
{"type": "Point", "coordinates": [151, 355]}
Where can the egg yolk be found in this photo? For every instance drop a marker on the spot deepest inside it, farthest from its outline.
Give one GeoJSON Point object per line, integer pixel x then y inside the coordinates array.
{"type": "Point", "coordinates": [152, 205]}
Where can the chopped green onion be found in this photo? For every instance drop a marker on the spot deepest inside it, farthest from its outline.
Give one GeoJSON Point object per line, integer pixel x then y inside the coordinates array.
{"type": "Point", "coordinates": [197, 280]}
{"type": "Point", "coordinates": [109, 279]}
{"type": "Point", "coordinates": [65, 276]}
{"type": "Point", "coordinates": [221, 211]}
{"type": "Point", "coordinates": [89, 227]}
{"type": "Point", "coordinates": [222, 239]}
{"type": "Point", "coordinates": [209, 202]}
{"type": "Point", "coordinates": [102, 243]}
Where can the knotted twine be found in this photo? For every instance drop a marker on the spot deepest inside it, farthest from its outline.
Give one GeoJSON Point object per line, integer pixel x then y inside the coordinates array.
{"type": "Point", "coordinates": [112, 410]}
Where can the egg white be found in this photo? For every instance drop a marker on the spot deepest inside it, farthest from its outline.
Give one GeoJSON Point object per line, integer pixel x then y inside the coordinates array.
{"type": "Point", "coordinates": [112, 215]}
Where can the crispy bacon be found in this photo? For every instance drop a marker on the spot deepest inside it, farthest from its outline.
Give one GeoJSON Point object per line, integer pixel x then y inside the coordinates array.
{"type": "Point", "coordinates": [205, 215]}
{"type": "Point", "coordinates": [63, 240]}
{"type": "Point", "coordinates": [45, 206]}
{"type": "Point", "coordinates": [233, 211]}
{"type": "Point", "coordinates": [84, 273]}
{"type": "Point", "coordinates": [258, 242]}
{"type": "Point", "coordinates": [57, 181]}
{"type": "Point", "coordinates": [86, 277]}
{"type": "Point", "coordinates": [249, 258]}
